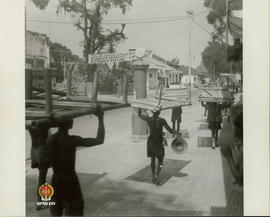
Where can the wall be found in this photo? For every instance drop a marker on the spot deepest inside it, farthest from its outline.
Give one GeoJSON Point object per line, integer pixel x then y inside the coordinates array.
{"type": "Point", "coordinates": [36, 50]}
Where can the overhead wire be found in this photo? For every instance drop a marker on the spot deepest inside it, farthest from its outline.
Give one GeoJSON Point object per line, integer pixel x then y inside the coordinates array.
{"type": "Point", "coordinates": [126, 21]}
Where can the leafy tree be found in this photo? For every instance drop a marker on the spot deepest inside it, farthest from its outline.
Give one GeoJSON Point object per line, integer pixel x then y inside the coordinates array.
{"type": "Point", "coordinates": [214, 58]}
{"type": "Point", "coordinates": [175, 63]}
{"type": "Point", "coordinates": [60, 54]}
{"type": "Point", "coordinates": [216, 15]}
{"type": "Point", "coordinates": [41, 4]}
{"type": "Point", "coordinates": [122, 75]}
{"type": "Point", "coordinates": [88, 15]}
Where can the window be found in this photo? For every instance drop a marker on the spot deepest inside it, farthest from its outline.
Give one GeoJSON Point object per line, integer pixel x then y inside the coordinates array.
{"type": "Point", "coordinates": [150, 75]}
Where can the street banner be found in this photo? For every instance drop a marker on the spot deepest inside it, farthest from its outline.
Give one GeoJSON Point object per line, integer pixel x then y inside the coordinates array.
{"type": "Point", "coordinates": [111, 57]}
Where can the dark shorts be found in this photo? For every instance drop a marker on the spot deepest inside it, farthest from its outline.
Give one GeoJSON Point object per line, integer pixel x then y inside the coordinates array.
{"type": "Point", "coordinates": [155, 149]}
{"type": "Point", "coordinates": [67, 196]}
{"type": "Point", "coordinates": [213, 125]}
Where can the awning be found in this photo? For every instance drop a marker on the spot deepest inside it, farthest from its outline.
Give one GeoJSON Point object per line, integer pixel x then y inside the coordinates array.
{"type": "Point", "coordinates": [235, 19]}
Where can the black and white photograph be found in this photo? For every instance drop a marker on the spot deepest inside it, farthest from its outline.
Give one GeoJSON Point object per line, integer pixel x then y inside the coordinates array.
{"type": "Point", "coordinates": [134, 108]}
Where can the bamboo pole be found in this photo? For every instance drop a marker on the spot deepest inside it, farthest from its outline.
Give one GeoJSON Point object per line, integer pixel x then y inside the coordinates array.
{"type": "Point", "coordinates": [56, 92]}
{"type": "Point", "coordinates": [58, 117]}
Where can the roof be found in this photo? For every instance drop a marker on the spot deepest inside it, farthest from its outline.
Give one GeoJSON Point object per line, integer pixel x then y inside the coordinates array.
{"type": "Point", "coordinates": [155, 64]}
{"type": "Point", "coordinates": [37, 34]}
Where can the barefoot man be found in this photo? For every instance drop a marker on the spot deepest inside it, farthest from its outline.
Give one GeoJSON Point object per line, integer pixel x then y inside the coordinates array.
{"type": "Point", "coordinates": [155, 148]}
{"type": "Point", "coordinates": [67, 192]}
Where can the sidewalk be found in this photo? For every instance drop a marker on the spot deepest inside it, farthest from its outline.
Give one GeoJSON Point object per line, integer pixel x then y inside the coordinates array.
{"type": "Point", "coordinates": [197, 188]}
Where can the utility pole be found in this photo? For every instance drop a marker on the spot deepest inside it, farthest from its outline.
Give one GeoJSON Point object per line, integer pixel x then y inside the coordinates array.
{"type": "Point", "coordinates": [190, 16]}
{"type": "Point", "coordinates": [85, 43]}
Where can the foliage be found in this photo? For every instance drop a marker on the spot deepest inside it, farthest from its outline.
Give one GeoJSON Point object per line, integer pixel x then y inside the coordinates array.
{"type": "Point", "coordinates": [175, 63]}
{"type": "Point", "coordinates": [41, 4]}
{"type": "Point", "coordinates": [59, 54]}
{"type": "Point", "coordinates": [214, 57]}
{"type": "Point", "coordinates": [98, 39]}
{"type": "Point", "coordinates": [88, 16]}
{"type": "Point", "coordinates": [216, 15]}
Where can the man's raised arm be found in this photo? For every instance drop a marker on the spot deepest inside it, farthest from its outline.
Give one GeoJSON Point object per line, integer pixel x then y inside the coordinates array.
{"type": "Point", "coordinates": [144, 117]}
{"type": "Point", "coordinates": [88, 142]}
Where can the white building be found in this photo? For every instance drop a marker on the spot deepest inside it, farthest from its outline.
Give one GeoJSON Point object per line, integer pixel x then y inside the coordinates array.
{"type": "Point", "coordinates": [37, 50]}
{"type": "Point", "coordinates": [158, 68]}
{"type": "Point", "coordinates": [37, 57]}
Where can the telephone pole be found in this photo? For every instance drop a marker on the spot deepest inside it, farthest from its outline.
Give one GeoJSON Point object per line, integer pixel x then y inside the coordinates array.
{"type": "Point", "coordinates": [190, 16]}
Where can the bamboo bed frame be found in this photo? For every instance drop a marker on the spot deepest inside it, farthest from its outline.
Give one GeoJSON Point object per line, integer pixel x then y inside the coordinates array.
{"type": "Point", "coordinates": [215, 94]}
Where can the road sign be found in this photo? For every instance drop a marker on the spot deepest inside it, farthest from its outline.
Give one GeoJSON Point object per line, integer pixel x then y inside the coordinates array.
{"type": "Point", "coordinates": [112, 57]}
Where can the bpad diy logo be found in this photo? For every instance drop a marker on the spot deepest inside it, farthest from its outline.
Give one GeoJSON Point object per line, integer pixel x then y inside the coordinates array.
{"type": "Point", "coordinates": [46, 192]}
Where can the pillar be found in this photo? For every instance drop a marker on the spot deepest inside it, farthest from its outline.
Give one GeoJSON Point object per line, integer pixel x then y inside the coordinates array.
{"type": "Point", "coordinates": [139, 126]}
{"type": "Point", "coordinates": [28, 83]}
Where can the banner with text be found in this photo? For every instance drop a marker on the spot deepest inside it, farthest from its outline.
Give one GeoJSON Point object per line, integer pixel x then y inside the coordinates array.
{"type": "Point", "coordinates": [111, 57]}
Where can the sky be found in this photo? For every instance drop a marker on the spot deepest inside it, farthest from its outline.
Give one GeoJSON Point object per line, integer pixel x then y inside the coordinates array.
{"type": "Point", "coordinates": [166, 39]}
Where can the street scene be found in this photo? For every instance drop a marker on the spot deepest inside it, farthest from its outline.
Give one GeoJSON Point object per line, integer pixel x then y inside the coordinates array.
{"type": "Point", "coordinates": [134, 108]}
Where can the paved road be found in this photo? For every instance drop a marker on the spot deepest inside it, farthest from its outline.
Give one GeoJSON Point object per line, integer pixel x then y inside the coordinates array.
{"type": "Point", "coordinates": [198, 188]}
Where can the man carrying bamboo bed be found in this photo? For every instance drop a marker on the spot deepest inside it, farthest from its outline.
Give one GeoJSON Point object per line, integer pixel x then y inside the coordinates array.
{"type": "Point", "coordinates": [155, 148]}
{"type": "Point", "coordinates": [214, 119]}
{"type": "Point", "coordinates": [67, 192]}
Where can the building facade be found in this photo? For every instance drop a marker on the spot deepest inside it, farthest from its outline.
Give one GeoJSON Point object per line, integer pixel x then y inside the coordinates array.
{"type": "Point", "coordinates": [37, 57]}
{"type": "Point", "coordinates": [159, 69]}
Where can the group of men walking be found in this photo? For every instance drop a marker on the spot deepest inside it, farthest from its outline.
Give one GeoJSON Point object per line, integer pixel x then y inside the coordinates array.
{"type": "Point", "coordinates": [59, 150]}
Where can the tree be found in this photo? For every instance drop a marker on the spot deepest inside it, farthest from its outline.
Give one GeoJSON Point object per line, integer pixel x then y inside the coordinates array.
{"type": "Point", "coordinates": [217, 12]}
{"type": "Point", "coordinates": [122, 76]}
{"type": "Point", "coordinates": [88, 15]}
{"type": "Point", "coordinates": [214, 58]}
{"type": "Point", "coordinates": [175, 63]}
{"type": "Point", "coordinates": [60, 54]}
{"type": "Point", "coordinates": [216, 51]}
{"type": "Point", "coordinates": [41, 4]}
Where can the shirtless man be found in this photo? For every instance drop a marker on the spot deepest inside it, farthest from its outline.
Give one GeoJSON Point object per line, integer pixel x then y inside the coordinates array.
{"type": "Point", "coordinates": [214, 119]}
{"type": "Point", "coordinates": [155, 148]}
{"type": "Point", "coordinates": [67, 192]}
{"type": "Point", "coordinates": [39, 156]}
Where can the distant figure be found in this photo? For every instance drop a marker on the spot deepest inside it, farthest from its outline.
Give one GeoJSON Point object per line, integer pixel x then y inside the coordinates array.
{"type": "Point", "coordinates": [205, 110]}
{"type": "Point", "coordinates": [155, 148]}
{"type": "Point", "coordinates": [67, 192]}
{"type": "Point", "coordinates": [176, 117]}
{"type": "Point", "coordinates": [214, 119]}
{"type": "Point", "coordinates": [39, 156]}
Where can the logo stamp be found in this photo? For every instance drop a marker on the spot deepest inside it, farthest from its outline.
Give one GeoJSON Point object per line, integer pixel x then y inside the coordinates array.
{"type": "Point", "coordinates": [46, 192]}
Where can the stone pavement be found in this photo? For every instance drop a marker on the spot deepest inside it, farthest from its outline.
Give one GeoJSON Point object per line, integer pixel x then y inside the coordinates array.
{"type": "Point", "coordinates": [201, 187]}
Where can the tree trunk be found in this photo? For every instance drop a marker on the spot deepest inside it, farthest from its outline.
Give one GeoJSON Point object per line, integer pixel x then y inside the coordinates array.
{"type": "Point", "coordinates": [85, 46]}
{"type": "Point", "coordinates": [119, 88]}
{"type": "Point", "coordinates": [125, 88]}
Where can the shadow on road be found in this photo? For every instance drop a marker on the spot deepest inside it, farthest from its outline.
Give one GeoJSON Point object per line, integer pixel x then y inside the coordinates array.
{"type": "Point", "coordinates": [113, 198]}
